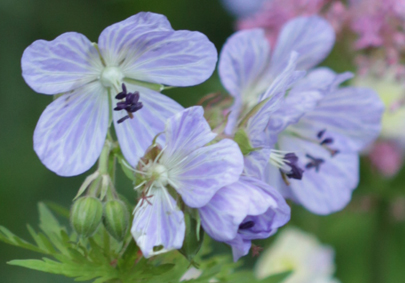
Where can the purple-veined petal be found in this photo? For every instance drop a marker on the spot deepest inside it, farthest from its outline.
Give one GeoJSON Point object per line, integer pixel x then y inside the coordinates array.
{"type": "Point", "coordinates": [243, 59]}
{"type": "Point", "coordinates": [147, 49]}
{"type": "Point", "coordinates": [351, 116]}
{"type": "Point", "coordinates": [256, 162]}
{"type": "Point", "coordinates": [267, 209]}
{"type": "Point", "coordinates": [159, 224]}
{"type": "Point", "coordinates": [222, 216]}
{"type": "Point", "coordinates": [185, 132]}
{"type": "Point", "coordinates": [328, 189]}
{"type": "Point", "coordinates": [61, 65]}
{"type": "Point", "coordinates": [71, 131]}
{"type": "Point", "coordinates": [204, 171]}
{"type": "Point", "coordinates": [275, 93]}
{"type": "Point", "coordinates": [320, 79]}
{"type": "Point", "coordinates": [312, 37]}
{"type": "Point", "coordinates": [136, 135]}
{"type": "Point", "coordinates": [240, 247]}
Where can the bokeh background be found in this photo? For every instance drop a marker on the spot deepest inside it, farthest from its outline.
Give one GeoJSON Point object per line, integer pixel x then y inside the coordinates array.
{"type": "Point", "coordinates": [368, 236]}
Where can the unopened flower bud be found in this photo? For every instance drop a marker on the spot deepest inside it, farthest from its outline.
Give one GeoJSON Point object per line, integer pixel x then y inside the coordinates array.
{"type": "Point", "coordinates": [86, 215]}
{"type": "Point", "coordinates": [116, 219]}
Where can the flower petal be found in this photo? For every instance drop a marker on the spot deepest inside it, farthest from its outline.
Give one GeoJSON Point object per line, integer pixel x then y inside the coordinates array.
{"type": "Point", "coordinates": [350, 115]}
{"type": "Point", "coordinates": [222, 216]}
{"type": "Point", "coordinates": [148, 49]}
{"type": "Point", "coordinates": [185, 132]}
{"type": "Point", "coordinates": [136, 135]}
{"type": "Point", "coordinates": [275, 93]}
{"type": "Point", "coordinates": [240, 247]}
{"type": "Point", "coordinates": [71, 131]}
{"type": "Point", "coordinates": [61, 65]}
{"type": "Point", "coordinates": [243, 59]}
{"type": "Point", "coordinates": [159, 224]}
{"type": "Point", "coordinates": [312, 37]}
{"type": "Point", "coordinates": [329, 189]}
{"type": "Point", "coordinates": [199, 176]}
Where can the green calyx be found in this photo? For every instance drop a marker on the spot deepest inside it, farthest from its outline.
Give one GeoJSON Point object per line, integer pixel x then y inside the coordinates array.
{"type": "Point", "coordinates": [242, 139]}
{"type": "Point", "coordinates": [86, 215]}
{"type": "Point", "coordinates": [116, 219]}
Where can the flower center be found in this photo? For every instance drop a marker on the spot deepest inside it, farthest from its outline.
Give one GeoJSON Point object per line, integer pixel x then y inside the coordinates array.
{"type": "Point", "coordinates": [111, 77]}
{"type": "Point", "coordinates": [159, 173]}
{"type": "Point", "coordinates": [287, 162]}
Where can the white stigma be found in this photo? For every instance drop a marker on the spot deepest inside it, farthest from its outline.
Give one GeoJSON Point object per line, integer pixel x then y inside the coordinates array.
{"type": "Point", "coordinates": [111, 77]}
{"type": "Point", "coordinates": [159, 173]}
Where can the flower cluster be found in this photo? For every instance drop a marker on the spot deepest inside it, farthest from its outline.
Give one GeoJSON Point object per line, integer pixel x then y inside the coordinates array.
{"type": "Point", "coordinates": [291, 133]}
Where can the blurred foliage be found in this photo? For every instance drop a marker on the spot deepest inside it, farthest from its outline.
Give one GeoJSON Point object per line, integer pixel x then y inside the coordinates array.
{"type": "Point", "coordinates": [368, 236]}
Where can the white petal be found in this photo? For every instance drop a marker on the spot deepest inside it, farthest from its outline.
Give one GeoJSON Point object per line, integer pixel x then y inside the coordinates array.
{"type": "Point", "coordinates": [71, 131]}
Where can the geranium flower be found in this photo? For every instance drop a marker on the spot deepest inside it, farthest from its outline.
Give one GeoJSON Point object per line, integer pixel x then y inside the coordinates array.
{"type": "Point", "coordinates": [187, 169]}
{"type": "Point", "coordinates": [248, 66]}
{"type": "Point", "coordinates": [246, 210]}
{"type": "Point", "coordinates": [142, 52]}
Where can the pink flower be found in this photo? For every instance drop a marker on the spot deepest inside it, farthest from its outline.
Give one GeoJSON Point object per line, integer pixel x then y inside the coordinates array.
{"type": "Point", "coordinates": [386, 157]}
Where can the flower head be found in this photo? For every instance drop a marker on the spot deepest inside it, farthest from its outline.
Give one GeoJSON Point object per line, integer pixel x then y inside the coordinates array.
{"type": "Point", "coordinates": [295, 250]}
{"type": "Point", "coordinates": [185, 168]}
{"type": "Point", "coordinates": [142, 52]}
{"type": "Point", "coordinates": [244, 211]}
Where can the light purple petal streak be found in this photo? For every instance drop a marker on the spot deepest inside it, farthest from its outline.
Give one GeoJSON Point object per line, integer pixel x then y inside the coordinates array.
{"type": "Point", "coordinates": [61, 65]}
{"type": "Point", "coordinates": [328, 190]}
{"type": "Point", "coordinates": [312, 37]}
{"type": "Point", "coordinates": [71, 131]}
{"type": "Point", "coordinates": [136, 135]}
{"type": "Point", "coordinates": [198, 172]}
{"type": "Point", "coordinates": [148, 49]}
{"type": "Point", "coordinates": [243, 60]}
{"type": "Point", "coordinates": [160, 223]}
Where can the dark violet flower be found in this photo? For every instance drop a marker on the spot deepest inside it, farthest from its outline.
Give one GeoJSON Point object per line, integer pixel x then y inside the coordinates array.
{"type": "Point", "coordinates": [188, 168]}
{"type": "Point", "coordinates": [143, 52]}
{"type": "Point", "coordinates": [246, 210]}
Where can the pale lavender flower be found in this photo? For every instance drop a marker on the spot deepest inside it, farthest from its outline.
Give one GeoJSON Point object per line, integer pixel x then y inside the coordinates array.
{"type": "Point", "coordinates": [246, 210]}
{"type": "Point", "coordinates": [186, 168]}
{"type": "Point", "coordinates": [143, 52]}
{"type": "Point", "coordinates": [326, 127]}
{"type": "Point", "coordinates": [248, 66]}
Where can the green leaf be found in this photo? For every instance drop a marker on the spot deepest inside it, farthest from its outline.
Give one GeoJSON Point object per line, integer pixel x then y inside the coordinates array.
{"type": "Point", "coordinates": [9, 238]}
{"type": "Point", "coordinates": [58, 209]}
{"type": "Point", "coordinates": [277, 278]}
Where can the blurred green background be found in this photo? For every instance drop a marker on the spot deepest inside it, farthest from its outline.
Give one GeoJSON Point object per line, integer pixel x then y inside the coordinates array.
{"type": "Point", "coordinates": [368, 236]}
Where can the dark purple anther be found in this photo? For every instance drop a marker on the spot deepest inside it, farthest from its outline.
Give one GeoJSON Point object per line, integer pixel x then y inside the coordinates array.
{"type": "Point", "coordinates": [246, 225]}
{"type": "Point", "coordinates": [131, 103]}
{"type": "Point", "coordinates": [327, 141]}
{"type": "Point", "coordinates": [296, 171]}
{"type": "Point", "coordinates": [320, 134]}
{"type": "Point", "coordinates": [314, 163]}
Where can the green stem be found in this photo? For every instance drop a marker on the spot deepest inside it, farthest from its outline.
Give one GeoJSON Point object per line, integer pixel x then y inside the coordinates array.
{"type": "Point", "coordinates": [104, 158]}
{"type": "Point", "coordinates": [381, 239]}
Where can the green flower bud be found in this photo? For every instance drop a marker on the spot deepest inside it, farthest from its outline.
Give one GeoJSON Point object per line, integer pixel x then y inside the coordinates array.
{"type": "Point", "coordinates": [86, 215]}
{"type": "Point", "coordinates": [116, 219]}
{"type": "Point", "coordinates": [193, 239]}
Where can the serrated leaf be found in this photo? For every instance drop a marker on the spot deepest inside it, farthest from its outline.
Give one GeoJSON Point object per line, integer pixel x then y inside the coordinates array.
{"type": "Point", "coordinates": [11, 239]}
{"type": "Point", "coordinates": [58, 209]}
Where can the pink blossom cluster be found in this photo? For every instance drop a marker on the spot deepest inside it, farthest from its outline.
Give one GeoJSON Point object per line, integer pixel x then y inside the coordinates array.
{"type": "Point", "coordinates": [275, 13]}
{"type": "Point", "coordinates": [379, 25]}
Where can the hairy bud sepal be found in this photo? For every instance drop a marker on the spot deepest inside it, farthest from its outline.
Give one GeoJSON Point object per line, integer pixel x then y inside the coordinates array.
{"type": "Point", "coordinates": [116, 219]}
{"type": "Point", "coordinates": [86, 215]}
